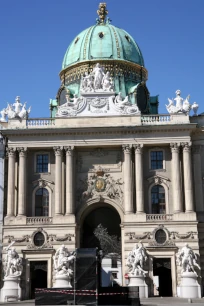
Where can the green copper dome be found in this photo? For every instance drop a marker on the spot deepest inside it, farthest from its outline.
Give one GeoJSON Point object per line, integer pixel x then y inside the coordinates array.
{"type": "Point", "coordinates": [103, 42]}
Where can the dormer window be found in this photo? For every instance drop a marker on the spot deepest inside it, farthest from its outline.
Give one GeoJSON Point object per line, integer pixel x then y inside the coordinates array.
{"type": "Point", "coordinates": [128, 38]}
{"type": "Point", "coordinates": [101, 35]}
{"type": "Point", "coordinates": [76, 40]}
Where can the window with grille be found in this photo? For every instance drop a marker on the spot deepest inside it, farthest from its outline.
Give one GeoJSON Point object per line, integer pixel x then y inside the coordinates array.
{"type": "Point", "coordinates": [158, 200]}
{"type": "Point", "coordinates": [42, 161]}
{"type": "Point", "coordinates": [42, 202]}
{"type": "Point", "coordinates": [156, 160]}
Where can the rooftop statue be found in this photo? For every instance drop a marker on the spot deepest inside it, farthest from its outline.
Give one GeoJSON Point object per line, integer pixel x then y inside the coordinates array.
{"type": "Point", "coordinates": [13, 262]}
{"type": "Point", "coordinates": [102, 12]}
{"type": "Point", "coordinates": [63, 262]}
{"type": "Point", "coordinates": [15, 110]}
{"type": "Point", "coordinates": [136, 260]}
{"type": "Point", "coordinates": [182, 106]}
{"type": "Point", "coordinates": [71, 107]}
{"type": "Point", "coordinates": [97, 81]}
{"type": "Point", "coordinates": [187, 259]}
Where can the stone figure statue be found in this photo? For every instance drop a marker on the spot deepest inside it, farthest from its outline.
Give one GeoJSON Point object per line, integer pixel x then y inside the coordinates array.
{"type": "Point", "coordinates": [3, 115]}
{"type": "Point", "coordinates": [107, 83]}
{"type": "Point", "coordinates": [63, 260]}
{"type": "Point", "coordinates": [13, 263]}
{"type": "Point", "coordinates": [179, 100]}
{"type": "Point", "coordinates": [23, 114]}
{"type": "Point", "coordinates": [98, 76]}
{"type": "Point", "coordinates": [87, 82]}
{"type": "Point", "coordinates": [10, 112]}
{"type": "Point", "coordinates": [136, 260]}
{"type": "Point", "coordinates": [187, 259]}
{"type": "Point", "coordinates": [194, 107]}
{"type": "Point", "coordinates": [17, 105]}
{"type": "Point", "coordinates": [120, 102]}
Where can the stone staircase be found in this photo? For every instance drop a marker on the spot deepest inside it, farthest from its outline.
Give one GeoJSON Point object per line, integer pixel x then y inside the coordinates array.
{"type": "Point", "coordinates": [164, 301]}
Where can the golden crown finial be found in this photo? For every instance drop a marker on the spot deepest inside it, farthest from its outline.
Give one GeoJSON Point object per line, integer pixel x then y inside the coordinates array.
{"type": "Point", "coordinates": [102, 12]}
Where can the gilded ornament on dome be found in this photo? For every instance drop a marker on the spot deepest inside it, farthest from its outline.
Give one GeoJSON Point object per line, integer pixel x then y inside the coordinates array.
{"type": "Point", "coordinates": [102, 12]}
{"type": "Point", "coordinates": [100, 184]}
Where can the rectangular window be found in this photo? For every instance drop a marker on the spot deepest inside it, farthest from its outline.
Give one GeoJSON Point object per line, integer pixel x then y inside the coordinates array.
{"type": "Point", "coordinates": [156, 160]}
{"type": "Point", "coordinates": [114, 263]}
{"type": "Point", "coordinates": [114, 275]}
{"type": "Point", "coordinates": [42, 161]}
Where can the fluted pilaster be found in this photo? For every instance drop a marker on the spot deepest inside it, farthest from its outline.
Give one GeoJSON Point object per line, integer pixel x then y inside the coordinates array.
{"type": "Point", "coordinates": [69, 180]}
{"type": "Point", "coordinates": [11, 181]}
{"type": "Point", "coordinates": [22, 181]}
{"type": "Point", "coordinates": [128, 194]}
{"type": "Point", "coordinates": [58, 180]}
{"type": "Point", "coordinates": [197, 166]}
{"type": "Point", "coordinates": [176, 178]}
{"type": "Point", "coordinates": [188, 182]}
{"type": "Point", "coordinates": [139, 178]}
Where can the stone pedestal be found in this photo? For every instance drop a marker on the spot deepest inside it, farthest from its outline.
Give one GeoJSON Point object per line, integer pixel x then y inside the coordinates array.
{"type": "Point", "coordinates": [11, 290]}
{"type": "Point", "coordinates": [189, 287]}
{"type": "Point", "coordinates": [139, 281]}
{"type": "Point", "coordinates": [62, 281]}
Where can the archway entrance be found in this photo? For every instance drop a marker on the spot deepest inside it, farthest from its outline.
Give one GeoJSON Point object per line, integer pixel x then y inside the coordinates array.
{"type": "Point", "coordinates": [101, 229]}
{"type": "Point", "coordinates": [105, 216]}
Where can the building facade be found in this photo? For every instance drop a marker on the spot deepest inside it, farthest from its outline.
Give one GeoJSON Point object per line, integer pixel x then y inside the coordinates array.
{"type": "Point", "coordinates": [105, 156]}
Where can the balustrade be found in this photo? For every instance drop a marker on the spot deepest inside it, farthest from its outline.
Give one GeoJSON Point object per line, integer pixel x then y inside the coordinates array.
{"type": "Point", "coordinates": [159, 217]}
{"type": "Point", "coordinates": [39, 220]}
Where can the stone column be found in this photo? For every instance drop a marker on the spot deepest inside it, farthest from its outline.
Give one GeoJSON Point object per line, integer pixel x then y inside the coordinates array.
{"type": "Point", "coordinates": [139, 178]}
{"type": "Point", "coordinates": [197, 166]}
{"type": "Point", "coordinates": [22, 182]}
{"type": "Point", "coordinates": [128, 194]}
{"type": "Point", "coordinates": [176, 178]}
{"type": "Point", "coordinates": [188, 179]}
{"type": "Point", "coordinates": [69, 180]}
{"type": "Point", "coordinates": [11, 181]}
{"type": "Point", "coordinates": [58, 180]}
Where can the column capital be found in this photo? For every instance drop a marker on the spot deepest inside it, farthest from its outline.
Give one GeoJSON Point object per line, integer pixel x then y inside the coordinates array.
{"type": "Point", "coordinates": [138, 148]}
{"type": "Point", "coordinates": [58, 151]}
{"type": "Point", "coordinates": [69, 150]}
{"type": "Point", "coordinates": [127, 148]}
{"type": "Point", "coordinates": [175, 146]}
{"type": "Point", "coordinates": [11, 151]}
{"type": "Point", "coordinates": [186, 146]}
{"type": "Point", "coordinates": [22, 151]}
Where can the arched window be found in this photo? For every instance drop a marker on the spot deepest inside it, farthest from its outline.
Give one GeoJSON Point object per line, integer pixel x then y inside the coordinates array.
{"type": "Point", "coordinates": [158, 200]}
{"type": "Point", "coordinates": [42, 202]}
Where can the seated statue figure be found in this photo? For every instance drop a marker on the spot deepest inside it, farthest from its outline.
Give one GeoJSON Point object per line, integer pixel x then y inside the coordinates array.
{"type": "Point", "coordinates": [120, 102]}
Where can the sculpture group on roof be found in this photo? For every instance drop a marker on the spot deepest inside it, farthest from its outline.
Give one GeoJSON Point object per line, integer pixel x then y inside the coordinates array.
{"type": "Point", "coordinates": [181, 105]}
{"type": "Point", "coordinates": [97, 80]}
{"type": "Point", "coordinates": [15, 110]}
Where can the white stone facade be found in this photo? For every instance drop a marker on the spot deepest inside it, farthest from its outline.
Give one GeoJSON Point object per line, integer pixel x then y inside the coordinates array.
{"type": "Point", "coordinates": [119, 148]}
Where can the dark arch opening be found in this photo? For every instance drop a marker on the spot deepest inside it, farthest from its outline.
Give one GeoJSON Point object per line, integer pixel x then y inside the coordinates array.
{"type": "Point", "coordinates": [108, 217]}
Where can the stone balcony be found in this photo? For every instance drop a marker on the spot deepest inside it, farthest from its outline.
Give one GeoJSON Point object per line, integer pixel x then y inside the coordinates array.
{"type": "Point", "coordinates": [159, 217]}
{"type": "Point", "coordinates": [39, 220]}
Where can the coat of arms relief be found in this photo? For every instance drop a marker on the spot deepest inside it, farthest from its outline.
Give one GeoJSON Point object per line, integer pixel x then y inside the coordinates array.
{"type": "Point", "coordinates": [100, 184]}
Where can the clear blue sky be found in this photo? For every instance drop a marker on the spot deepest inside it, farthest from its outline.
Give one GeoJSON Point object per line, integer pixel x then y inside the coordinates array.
{"type": "Point", "coordinates": [34, 35]}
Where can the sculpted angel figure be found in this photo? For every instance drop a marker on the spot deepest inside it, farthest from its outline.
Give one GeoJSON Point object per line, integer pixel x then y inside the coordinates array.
{"type": "Point", "coordinates": [87, 82]}
{"type": "Point", "coordinates": [13, 263]}
{"type": "Point", "coordinates": [187, 259]}
{"type": "Point", "coordinates": [107, 82]}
